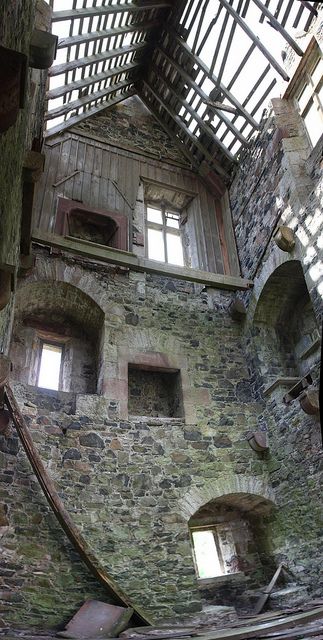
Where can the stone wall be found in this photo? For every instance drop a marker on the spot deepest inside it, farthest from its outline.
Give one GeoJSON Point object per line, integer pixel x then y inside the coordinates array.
{"type": "Point", "coordinates": [280, 183]}
{"type": "Point", "coordinates": [17, 21]}
{"type": "Point", "coordinates": [123, 480]}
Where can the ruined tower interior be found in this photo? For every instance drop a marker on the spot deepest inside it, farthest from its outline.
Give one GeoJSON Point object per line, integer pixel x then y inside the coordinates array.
{"type": "Point", "coordinates": [161, 283]}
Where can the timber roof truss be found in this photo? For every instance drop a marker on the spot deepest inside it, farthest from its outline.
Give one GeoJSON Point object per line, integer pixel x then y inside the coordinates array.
{"type": "Point", "coordinates": [204, 68]}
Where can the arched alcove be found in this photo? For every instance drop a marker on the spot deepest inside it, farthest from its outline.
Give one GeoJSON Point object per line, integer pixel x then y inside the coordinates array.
{"type": "Point", "coordinates": [62, 317]}
{"type": "Point", "coordinates": [230, 547]}
{"type": "Point", "coordinates": [284, 329]}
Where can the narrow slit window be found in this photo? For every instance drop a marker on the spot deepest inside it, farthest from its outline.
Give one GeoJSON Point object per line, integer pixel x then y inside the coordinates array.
{"type": "Point", "coordinates": [50, 366]}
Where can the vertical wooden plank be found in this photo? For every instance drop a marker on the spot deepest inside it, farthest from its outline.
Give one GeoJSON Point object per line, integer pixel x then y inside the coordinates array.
{"type": "Point", "coordinates": [216, 245]}
{"type": "Point", "coordinates": [64, 158]}
{"type": "Point", "coordinates": [230, 241]}
{"type": "Point", "coordinates": [47, 211]}
{"type": "Point", "coordinates": [78, 180]}
{"type": "Point", "coordinates": [68, 185]}
{"type": "Point", "coordinates": [88, 171]}
{"type": "Point", "coordinates": [206, 230]}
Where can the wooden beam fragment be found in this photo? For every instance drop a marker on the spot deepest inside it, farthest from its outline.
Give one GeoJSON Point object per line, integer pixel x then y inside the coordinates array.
{"type": "Point", "coordinates": [59, 69]}
{"type": "Point", "coordinates": [90, 112]}
{"type": "Point", "coordinates": [243, 112]}
{"type": "Point", "coordinates": [81, 102]}
{"type": "Point", "coordinates": [109, 255]}
{"type": "Point", "coordinates": [187, 132]}
{"type": "Point", "coordinates": [91, 12]}
{"type": "Point", "coordinates": [276, 24]}
{"type": "Point", "coordinates": [255, 39]}
{"type": "Point", "coordinates": [92, 36]}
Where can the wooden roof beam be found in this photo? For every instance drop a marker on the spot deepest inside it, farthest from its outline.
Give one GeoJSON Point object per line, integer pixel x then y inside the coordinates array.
{"type": "Point", "coordinates": [82, 102]}
{"type": "Point", "coordinates": [187, 132]}
{"type": "Point", "coordinates": [58, 69]}
{"type": "Point", "coordinates": [255, 39]}
{"type": "Point", "coordinates": [71, 122]}
{"type": "Point", "coordinates": [108, 33]}
{"type": "Point", "coordinates": [202, 124]}
{"type": "Point", "coordinates": [105, 10]}
{"type": "Point", "coordinates": [214, 79]}
{"type": "Point", "coordinates": [276, 24]}
{"type": "Point", "coordinates": [85, 82]}
{"type": "Point", "coordinates": [202, 95]}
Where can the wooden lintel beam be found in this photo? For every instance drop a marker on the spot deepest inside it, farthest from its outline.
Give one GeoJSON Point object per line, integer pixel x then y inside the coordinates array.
{"type": "Point", "coordinates": [81, 102]}
{"type": "Point", "coordinates": [188, 133]}
{"type": "Point", "coordinates": [105, 10]}
{"type": "Point", "coordinates": [120, 258]}
{"type": "Point", "coordinates": [214, 79]}
{"type": "Point", "coordinates": [203, 95]}
{"type": "Point", "coordinates": [91, 112]}
{"type": "Point", "coordinates": [255, 39]}
{"type": "Point", "coordinates": [202, 124]}
{"type": "Point", "coordinates": [276, 24]}
{"type": "Point", "coordinates": [85, 82]}
{"type": "Point", "coordinates": [108, 33]}
{"type": "Point", "coordinates": [59, 69]}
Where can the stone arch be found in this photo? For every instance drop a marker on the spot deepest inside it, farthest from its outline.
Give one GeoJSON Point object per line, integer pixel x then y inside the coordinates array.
{"type": "Point", "coordinates": [58, 312]}
{"type": "Point", "coordinates": [284, 324]}
{"type": "Point", "coordinates": [252, 492]}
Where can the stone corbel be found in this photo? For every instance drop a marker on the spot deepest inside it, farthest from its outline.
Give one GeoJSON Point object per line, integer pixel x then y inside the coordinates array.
{"type": "Point", "coordinates": [42, 50]}
{"type": "Point", "coordinates": [258, 440]}
{"type": "Point", "coordinates": [309, 401]}
{"type": "Point", "coordinates": [285, 239]}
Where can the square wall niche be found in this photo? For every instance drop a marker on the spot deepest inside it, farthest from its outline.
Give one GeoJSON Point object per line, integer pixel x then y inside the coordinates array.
{"type": "Point", "coordinates": [154, 392]}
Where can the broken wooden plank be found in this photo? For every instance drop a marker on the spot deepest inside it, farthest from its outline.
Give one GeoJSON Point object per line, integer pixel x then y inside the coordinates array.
{"type": "Point", "coordinates": [62, 514]}
{"type": "Point", "coordinates": [266, 592]}
{"type": "Point", "coordinates": [70, 14]}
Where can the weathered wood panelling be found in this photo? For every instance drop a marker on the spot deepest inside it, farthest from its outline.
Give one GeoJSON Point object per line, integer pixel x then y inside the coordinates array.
{"type": "Point", "coordinates": [104, 177]}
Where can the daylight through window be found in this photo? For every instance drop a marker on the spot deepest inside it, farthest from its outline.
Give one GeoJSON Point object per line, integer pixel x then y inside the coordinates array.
{"type": "Point", "coordinates": [50, 366]}
{"type": "Point", "coordinates": [164, 236]}
{"type": "Point", "coordinates": [309, 99]}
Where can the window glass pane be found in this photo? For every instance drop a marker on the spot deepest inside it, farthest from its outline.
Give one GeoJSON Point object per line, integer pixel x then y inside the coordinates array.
{"type": "Point", "coordinates": [154, 215]}
{"type": "Point", "coordinates": [156, 245]}
{"type": "Point", "coordinates": [50, 365]}
{"type": "Point", "coordinates": [206, 555]}
{"type": "Point", "coordinates": [174, 250]}
{"type": "Point", "coordinates": [172, 220]}
{"type": "Point", "coordinates": [314, 123]}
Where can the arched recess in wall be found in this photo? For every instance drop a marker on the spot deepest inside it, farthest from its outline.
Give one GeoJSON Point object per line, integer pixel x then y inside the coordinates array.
{"type": "Point", "coordinates": [284, 329]}
{"type": "Point", "coordinates": [229, 537]}
{"type": "Point", "coordinates": [58, 314]}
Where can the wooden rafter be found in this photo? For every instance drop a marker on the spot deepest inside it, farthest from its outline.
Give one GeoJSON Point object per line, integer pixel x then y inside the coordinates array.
{"type": "Point", "coordinates": [176, 54]}
{"type": "Point", "coordinates": [89, 12]}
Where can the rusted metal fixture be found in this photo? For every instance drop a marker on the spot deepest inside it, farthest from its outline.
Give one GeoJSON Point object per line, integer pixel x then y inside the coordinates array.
{"type": "Point", "coordinates": [309, 401]}
{"type": "Point", "coordinates": [62, 514]}
{"type": "Point", "coordinates": [285, 239]}
{"type": "Point", "coordinates": [13, 65]}
{"type": "Point", "coordinates": [258, 440]}
{"type": "Point", "coordinates": [42, 49]}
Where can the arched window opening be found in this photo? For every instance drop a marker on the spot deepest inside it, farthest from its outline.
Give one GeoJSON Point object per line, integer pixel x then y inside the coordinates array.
{"type": "Point", "coordinates": [230, 547]}
{"type": "Point", "coordinates": [57, 339]}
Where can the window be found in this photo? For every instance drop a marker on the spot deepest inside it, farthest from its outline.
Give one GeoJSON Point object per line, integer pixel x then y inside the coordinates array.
{"type": "Point", "coordinates": [309, 96]}
{"type": "Point", "coordinates": [163, 236]}
{"type": "Point", "coordinates": [214, 551]}
{"type": "Point", "coordinates": [50, 366]}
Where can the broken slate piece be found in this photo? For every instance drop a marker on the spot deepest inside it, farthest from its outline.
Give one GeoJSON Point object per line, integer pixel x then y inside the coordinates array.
{"type": "Point", "coordinates": [97, 619]}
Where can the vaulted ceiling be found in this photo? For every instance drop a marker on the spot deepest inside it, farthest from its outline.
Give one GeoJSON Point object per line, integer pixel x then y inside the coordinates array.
{"type": "Point", "coordinates": [205, 68]}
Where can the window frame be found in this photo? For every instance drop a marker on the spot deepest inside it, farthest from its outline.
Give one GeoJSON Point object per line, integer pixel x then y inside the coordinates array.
{"type": "Point", "coordinates": [216, 532]}
{"type": "Point", "coordinates": [59, 345]}
{"type": "Point", "coordinates": [164, 228]}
